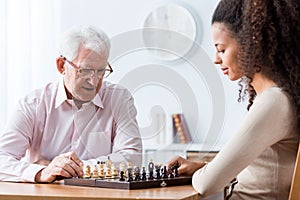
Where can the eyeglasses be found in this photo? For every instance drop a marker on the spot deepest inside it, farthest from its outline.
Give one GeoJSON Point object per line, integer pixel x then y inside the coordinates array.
{"type": "Point", "coordinates": [88, 73]}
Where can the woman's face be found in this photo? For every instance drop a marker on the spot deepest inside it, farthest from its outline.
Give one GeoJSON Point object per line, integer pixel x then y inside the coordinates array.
{"type": "Point", "coordinates": [226, 51]}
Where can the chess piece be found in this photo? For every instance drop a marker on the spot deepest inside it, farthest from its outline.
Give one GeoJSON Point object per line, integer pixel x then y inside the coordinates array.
{"type": "Point", "coordinates": [108, 173]}
{"type": "Point", "coordinates": [122, 167]}
{"type": "Point", "coordinates": [150, 166]}
{"type": "Point", "coordinates": [122, 176]}
{"type": "Point", "coordinates": [164, 172]}
{"type": "Point", "coordinates": [157, 172]}
{"type": "Point", "coordinates": [137, 175]}
{"type": "Point", "coordinates": [144, 176]}
{"type": "Point", "coordinates": [114, 171]}
{"type": "Point", "coordinates": [175, 168]}
{"type": "Point", "coordinates": [129, 174]}
{"type": "Point", "coordinates": [126, 170]}
{"type": "Point", "coordinates": [150, 169]}
{"type": "Point", "coordinates": [101, 173]}
{"type": "Point", "coordinates": [95, 172]}
{"type": "Point", "coordinates": [108, 162]}
{"type": "Point", "coordinates": [87, 172]}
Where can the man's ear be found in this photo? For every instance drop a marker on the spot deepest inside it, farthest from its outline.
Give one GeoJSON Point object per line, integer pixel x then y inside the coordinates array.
{"type": "Point", "coordinates": [60, 62]}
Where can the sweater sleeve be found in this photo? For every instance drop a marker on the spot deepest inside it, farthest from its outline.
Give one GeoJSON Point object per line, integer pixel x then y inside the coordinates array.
{"type": "Point", "coordinates": [267, 122]}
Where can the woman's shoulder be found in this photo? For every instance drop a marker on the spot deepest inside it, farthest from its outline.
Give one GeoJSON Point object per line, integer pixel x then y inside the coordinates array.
{"type": "Point", "coordinates": [274, 95]}
{"type": "Point", "coordinates": [273, 101]}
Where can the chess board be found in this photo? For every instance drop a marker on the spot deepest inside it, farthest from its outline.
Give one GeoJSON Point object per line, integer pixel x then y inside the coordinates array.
{"type": "Point", "coordinates": [117, 184]}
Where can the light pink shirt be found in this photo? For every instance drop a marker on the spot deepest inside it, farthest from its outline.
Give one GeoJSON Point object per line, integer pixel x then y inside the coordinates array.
{"type": "Point", "coordinates": [46, 124]}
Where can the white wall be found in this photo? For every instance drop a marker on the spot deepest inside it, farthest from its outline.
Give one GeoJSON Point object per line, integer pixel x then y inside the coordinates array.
{"type": "Point", "coordinates": [198, 82]}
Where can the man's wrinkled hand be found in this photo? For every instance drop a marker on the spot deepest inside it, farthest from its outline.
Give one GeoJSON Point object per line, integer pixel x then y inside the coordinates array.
{"type": "Point", "coordinates": [65, 165]}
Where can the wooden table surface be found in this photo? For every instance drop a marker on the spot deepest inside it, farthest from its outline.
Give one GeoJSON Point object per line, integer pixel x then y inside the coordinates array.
{"type": "Point", "coordinates": [59, 191]}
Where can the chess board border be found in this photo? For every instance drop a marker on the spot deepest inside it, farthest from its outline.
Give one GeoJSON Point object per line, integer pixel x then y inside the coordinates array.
{"type": "Point", "coordinates": [141, 184]}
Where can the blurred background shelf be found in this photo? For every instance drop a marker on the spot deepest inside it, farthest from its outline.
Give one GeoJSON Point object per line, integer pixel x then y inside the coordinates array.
{"type": "Point", "coordinates": [162, 153]}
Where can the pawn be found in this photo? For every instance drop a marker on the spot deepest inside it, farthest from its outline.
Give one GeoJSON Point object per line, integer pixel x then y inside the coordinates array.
{"type": "Point", "coordinates": [95, 172]}
{"type": "Point", "coordinates": [122, 176]}
{"type": "Point", "coordinates": [87, 172]}
{"type": "Point", "coordinates": [108, 173]}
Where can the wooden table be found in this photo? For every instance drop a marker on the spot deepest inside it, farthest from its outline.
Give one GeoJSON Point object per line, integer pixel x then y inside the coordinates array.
{"type": "Point", "coordinates": [58, 191]}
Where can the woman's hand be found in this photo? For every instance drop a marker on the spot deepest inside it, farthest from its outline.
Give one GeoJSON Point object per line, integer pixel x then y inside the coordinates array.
{"type": "Point", "coordinates": [186, 167]}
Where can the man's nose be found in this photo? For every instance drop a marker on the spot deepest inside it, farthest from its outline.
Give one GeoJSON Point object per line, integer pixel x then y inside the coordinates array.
{"type": "Point", "coordinates": [94, 80]}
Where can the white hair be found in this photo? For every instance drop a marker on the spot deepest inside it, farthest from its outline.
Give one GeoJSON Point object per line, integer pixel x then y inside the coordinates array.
{"type": "Point", "coordinates": [87, 36]}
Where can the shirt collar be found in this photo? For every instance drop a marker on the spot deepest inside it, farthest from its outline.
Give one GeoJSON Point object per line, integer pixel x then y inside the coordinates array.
{"type": "Point", "coordinates": [61, 96]}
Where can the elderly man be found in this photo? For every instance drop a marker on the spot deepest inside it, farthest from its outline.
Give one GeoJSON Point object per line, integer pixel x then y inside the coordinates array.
{"type": "Point", "coordinates": [77, 120]}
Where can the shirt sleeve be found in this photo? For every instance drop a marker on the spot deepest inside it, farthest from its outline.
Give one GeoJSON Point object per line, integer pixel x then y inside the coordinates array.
{"type": "Point", "coordinates": [267, 122]}
{"type": "Point", "coordinates": [14, 142]}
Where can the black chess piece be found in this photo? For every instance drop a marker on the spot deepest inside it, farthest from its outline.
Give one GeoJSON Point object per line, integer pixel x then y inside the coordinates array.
{"type": "Point", "coordinates": [151, 177]}
{"type": "Point", "coordinates": [164, 172]}
{"type": "Point", "coordinates": [175, 169]}
{"type": "Point", "coordinates": [137, 175]}
{"type": "Point", "coordinates": [151, 170]}
{"type": "Point", "coordinates": [171, 175]}
{"type": "Point", "coordinates": [129, 175]}
{"type": "Point", "coordinates": [176, 172]}
{"type": "Point", "coordinates": [157, 170]}
{"type": "Point", "coordinates": [150, 166]}
{"type": "Point", "coordinates": [122, 176]}
{"type": "Point", "coordinates": [144, 176]}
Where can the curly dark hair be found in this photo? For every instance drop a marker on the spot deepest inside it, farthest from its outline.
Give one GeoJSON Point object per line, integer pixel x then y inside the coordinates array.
{"type": "Point", "coordinates": [268, 35]}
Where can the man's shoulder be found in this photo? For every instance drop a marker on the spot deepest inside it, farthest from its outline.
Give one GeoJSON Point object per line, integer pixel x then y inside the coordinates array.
{"type": "Point", "coordinates": [43, 92]}
{"type": "Point", "coordinates": [112, 87]}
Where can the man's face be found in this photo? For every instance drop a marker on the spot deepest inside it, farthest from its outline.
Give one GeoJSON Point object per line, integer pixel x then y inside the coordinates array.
{"type": "Point", "coordinates": [84, 89]}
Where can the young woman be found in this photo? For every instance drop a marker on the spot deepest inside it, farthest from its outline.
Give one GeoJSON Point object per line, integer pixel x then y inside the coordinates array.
{"type": "Point", "coordinates": [256, 41]}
